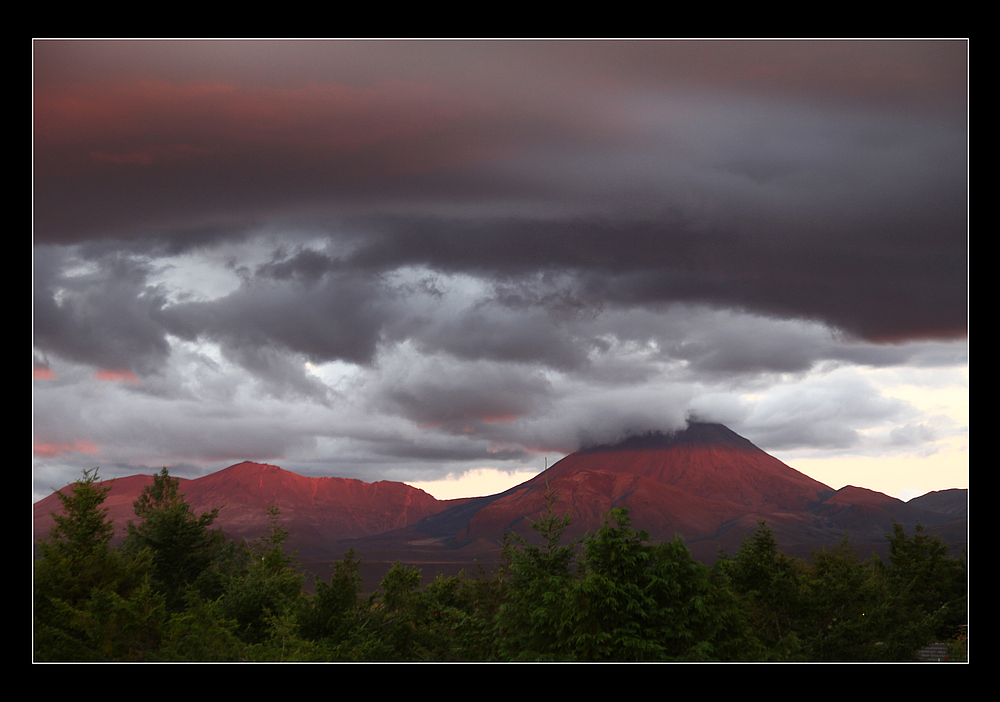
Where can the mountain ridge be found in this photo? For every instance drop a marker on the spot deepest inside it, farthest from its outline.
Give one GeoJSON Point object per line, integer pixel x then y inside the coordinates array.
{"type": "Point", "coordinates": [706, 484]}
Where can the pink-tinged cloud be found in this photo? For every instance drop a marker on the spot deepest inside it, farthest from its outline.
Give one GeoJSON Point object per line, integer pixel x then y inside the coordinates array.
{"type": "Point", "coordinates": [149, 156]}
{"type": "Point", "coordinates": [48, 450]}
{"type": "Point", "coordinates": [43, 374]}
{"type": "Point", "coordinates": [146, 121]}
{"type": "Point", "coordinates": [208, 152]}
{"type": "Point", "coordinates": [500, 418]}
{"type": "Point", "coordinates": [116, 376]}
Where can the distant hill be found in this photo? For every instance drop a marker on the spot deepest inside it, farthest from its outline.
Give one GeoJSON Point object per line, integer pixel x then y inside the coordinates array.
{"type": "Point", "coordinates": [316, 511]}
{"type": "Point", "coordinates": [705, 483]}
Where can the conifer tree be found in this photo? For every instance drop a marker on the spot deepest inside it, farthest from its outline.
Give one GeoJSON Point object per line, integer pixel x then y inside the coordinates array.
{"type": "Point", "coordinates": [639, 601]}
{"type": "Point", "coordinates": [267, 588]}
{"type": "Point", "coordinates": [928, 580]}
{"type": "Point", "coordinates": [771, 583]}
{"type": "Point", "coordinates": [185, 551]}
{"type": "Point", "coordinates": [535, 621]}
{"type": "Point", "coordinates": [91, 601]}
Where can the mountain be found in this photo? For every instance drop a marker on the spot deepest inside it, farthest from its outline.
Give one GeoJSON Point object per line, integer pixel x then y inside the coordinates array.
{"type": "Point", "coordinates": [316, 511]}
{"type": "Point", "coordinates": [705, 483]}
{"type": "Point", "coordinates": [689, 483]}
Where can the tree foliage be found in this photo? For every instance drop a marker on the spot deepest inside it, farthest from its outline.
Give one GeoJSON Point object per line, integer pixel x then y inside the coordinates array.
{"type": "Point", "coordinates": [178, 591]}
{"type": "Point", "coordinates": [535, 620]}
{"type": "Point", "coordinates": [186, 553]}
{"type": "Point", "coordinates": [771, 585]}
{"type": "Point", "coordinates": [636, 601]}
{"type": "Point", "coordinates": [267, 587]}
{"type": "Point", "coordinates": [91, 601]}
{"type": "Point", "coordinates": [840, 608]}
{"type": "Point", "coordinates": [929, 581]}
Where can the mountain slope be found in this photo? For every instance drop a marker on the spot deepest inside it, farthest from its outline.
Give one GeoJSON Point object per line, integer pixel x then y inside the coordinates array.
{"type": "Point", "coordinates": [689, 483]}
{"type": "Point", "coordinates": [706, 484]}
{"type": "Point", "coordinates": [707, 460]}
{"type": "Point", "coordinates": [316, 511]}
{"type": "Point", "coordinates": [313, 509]}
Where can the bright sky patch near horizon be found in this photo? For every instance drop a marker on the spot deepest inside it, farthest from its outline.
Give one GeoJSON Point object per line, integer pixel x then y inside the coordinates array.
{"type": "Point", "coordinates": [446, 262]}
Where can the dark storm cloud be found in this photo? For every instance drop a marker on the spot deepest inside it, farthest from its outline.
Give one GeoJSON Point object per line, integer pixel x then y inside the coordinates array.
{"type": "Point", "coordinates": [104, 313]}
{"type": "Point", "coordinates": [842, 199]}
{"type": "Point", "coordinates": [338, 318]}
{"type": "Point", "coordinates": [458, 253]}
{"type": "Point", "coordinates": [492, 333]}
{"type": "Point", "coordinates": [883, 278]}
{"type": "Point", "coordinates": [140, 157]}
{"type": "Point", "coordinates": [456, 395]}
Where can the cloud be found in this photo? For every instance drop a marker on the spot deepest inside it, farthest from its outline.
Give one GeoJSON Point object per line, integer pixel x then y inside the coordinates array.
{"type": "Point", "coordinates": [830, 410]}
{"type": "Point", "coordinates": [417, 258]}
{"type": "Point", "coordinates": [338, 317]}
{"type": "Point", "coordinates": [98, 311]}
{"type": "Point", "coordinates": [458, 396]}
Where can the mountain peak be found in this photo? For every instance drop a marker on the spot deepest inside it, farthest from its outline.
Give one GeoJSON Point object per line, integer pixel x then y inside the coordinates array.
{"type": "Point", "coordinates": [252, 467]}
{"type": "Point", "coordinates": [704, 459]}
{"type": "Point", "coordinates": [695, 434]}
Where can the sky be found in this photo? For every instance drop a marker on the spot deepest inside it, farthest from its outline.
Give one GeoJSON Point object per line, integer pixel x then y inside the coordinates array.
{"type": "Point", "coordinates": [451, 263]}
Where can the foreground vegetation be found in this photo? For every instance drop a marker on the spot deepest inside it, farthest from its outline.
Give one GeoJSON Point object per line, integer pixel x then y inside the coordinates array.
{"type": "Point", "coordinates": [178, 590]}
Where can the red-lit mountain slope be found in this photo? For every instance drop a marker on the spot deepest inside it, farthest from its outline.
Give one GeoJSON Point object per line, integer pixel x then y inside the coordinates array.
{"type": "Point", "coordinates": [696, 483]}
{"type": "Point", "coordinates": [705, 483]}
{"type": "Point", "coordinates": [707, 460]}
{"type": "Point", "coordinates": [315, 511]}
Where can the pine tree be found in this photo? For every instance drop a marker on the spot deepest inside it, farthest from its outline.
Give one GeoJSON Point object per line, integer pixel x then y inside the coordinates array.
{"type": "Point", "coordinates": [185, 551]}
{"type": "Point", "coordinates": [91, 601]}
{"type": "Point", "coordinates": [928, 579]}
{"type": "Point", "coordinates": [266, 589]}
{"type": "Point", "coordinates": [535, 621]}
{"type": "Point", "coordinates": [639, 601]}
{"type": "Point", "coordinates": [771, 585]}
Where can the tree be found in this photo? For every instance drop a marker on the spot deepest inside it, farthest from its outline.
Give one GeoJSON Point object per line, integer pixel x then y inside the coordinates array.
{"type": "Point", "coordinates": [928, 582]}
{"type": "Point", "coordinates": [79, 542]}
{"type": "Point", "coordinates": [332, 612]}
{"type": "Point", "coordinates": [638, 601]}
{"type": "Point", "coordinates": [852, 613]}
{"type": "Point", "coordinates": [535, 621]}
{"type": "Point", "coordinates": [185, 550]}
{"type": "Point", "coordinates": [199, 633]}
{"type": "Point", "coordinates": [482, 596]}
{"type": "Point", "coordinates": [337, 619]}
{"type": "Point", "coordinates": [91, 601]}
{"type": "Point", "coordinates": [395, 611]}
{"type": "Point", "coordinates": [266, 588]}
{"type": "Point", "coordinates": [928, 579]}
{"type": "Point", "coordinates": [771, 584]}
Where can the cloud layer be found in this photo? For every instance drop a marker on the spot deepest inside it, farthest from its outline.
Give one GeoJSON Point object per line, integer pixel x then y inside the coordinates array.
{"type": "Point", "coordinates": [410, 259]}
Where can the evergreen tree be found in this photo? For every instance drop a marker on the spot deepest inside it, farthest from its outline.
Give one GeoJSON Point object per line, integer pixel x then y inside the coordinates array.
{"type": "Point", "coordinates": [267, 588]}
{"type": "Point", "coordinates": [772, 587]}
{"type": "Point", "coordinates": [535, 622]}
{"type": "Point", "coordinates": [852, 614]}
{"type": "Point", "coordinates": [928, 580]}
{"type": "Point", "coordinates": [638, 601]}
{"type": "Point", "coordinates": [200, 633]}
{"type": "Point", "coordinates": [186, 553]}
{"type": "Point", "coordinates": [91, 601]}
{"type": "Point", "coordinates": [394, 613]}
{"type": "Point", "coordinates": [482, 596]}
{"type": "Point", "coordinates": [332, 612]}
